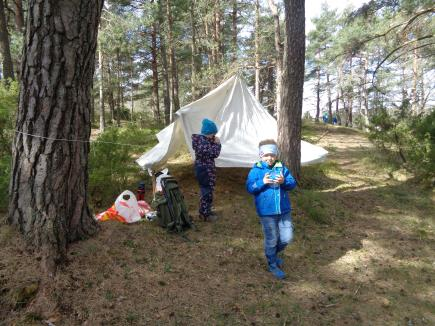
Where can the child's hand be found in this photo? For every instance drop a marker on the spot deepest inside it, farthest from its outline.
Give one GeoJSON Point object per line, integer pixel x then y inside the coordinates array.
{"type": "Point", "coordinates": [267, 179]}
{"type": "Point", "coordinates": [280, 179]}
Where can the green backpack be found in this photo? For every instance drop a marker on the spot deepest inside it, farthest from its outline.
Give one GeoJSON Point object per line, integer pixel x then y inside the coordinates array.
{"type": "Point", "coordinates": [172, 212]}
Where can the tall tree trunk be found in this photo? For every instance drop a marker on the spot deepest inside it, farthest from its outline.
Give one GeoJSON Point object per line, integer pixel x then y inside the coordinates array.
{"type": "Point", "coordinates": [342, 97]}
{"type": "Point", "coordinates": [345, 109]}
{"type": "Point", "coordinates": [101, 93]}
{"type": "Point", "coordinates": [92, 109]}
{"type": "Point", "coordinates": [337, 112]}
{"type": "Point", "coordinates": [234, 32]}
{"type": "Point", "coordinates": [317, 94]}
{"type": "Point", "coordinates": [365, 93]}
{"type": "Point", "coordinates": [350, 95]}
{"type": "Point", "coordinates": [120, 101]}
{"type": "Point", "coordinates": [257, 49]}
{"type": "Point", "coordinates": [165, 68]}
{"type": "Point", "coordinates": [193, 50]}
{"type": "Point", "coordinates": [211, 54]}
{"type": "Point", "coordinates": [218, 27]}
{"type": "Point", "coordinates": [19, 16]}
{"type": "Point", "coordinates": [422, 90]}
{"type": "Point", "coordinates": [154, 66]}
{"type": "Point", "coordinates": [172, 63]}
{"type": "Point", "coordinates": [403, 84]}
{"type": "Point", "coordinates": [49, 179]}
{"type": "Point", "coordinates": [328, 88]}
{"type": "Point", "coordinates": [271, 89]}
{"type": "Point", "coordinates": [290, 117]}
{"type": "Point", "coordinates": [414, 82]}
{"type": "Point", "coordinates": [132, 88]}
{"type": "Point", "coordinates": [8, 69]}
{"type": "Point", "coordinates": [112, 102]}
{"type": "Point", "coordinates": [278, 55]}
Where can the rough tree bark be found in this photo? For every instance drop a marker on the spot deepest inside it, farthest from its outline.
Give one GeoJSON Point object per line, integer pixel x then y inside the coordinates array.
{"type": "Point", "coordinates": [290, 117]}
{"type": "Point", "coordinates": [49, 179]}
{"type": "Point", "coordinates": [8, 69]}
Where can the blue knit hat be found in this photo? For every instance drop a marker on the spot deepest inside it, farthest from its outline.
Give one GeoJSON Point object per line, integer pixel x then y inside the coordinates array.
{"type": "Point", "coordinates": [208, 127]}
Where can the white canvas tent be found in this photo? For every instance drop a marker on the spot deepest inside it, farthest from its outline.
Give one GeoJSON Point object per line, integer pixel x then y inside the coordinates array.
{"type": "Point", "coordinates": [242, 123]}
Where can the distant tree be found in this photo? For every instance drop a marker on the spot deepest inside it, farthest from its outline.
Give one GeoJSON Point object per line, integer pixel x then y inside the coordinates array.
{"type": "Point", "coordinates": [8, 70]}
{"type": "Point", "coordinates": [19, 16]}
{"type": "Point", "coordinates": [48, 192]}
{"type": "Point", "coordinates": [278, 53]}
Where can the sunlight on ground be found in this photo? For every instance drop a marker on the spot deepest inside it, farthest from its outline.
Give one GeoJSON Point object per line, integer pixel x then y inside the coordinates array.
{"type": "Point", "coordinates": [353, 187]}
{"type": "Point", "coordinates": [358, 263]}
{"type": "Point", "coordinates": [307, 289]}
{"type": "Point", "coordinates": [427, 295]}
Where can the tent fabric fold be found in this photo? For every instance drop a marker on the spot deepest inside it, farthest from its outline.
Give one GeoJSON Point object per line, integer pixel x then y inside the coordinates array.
{"type": "Point", "coordinates": [242, 123]}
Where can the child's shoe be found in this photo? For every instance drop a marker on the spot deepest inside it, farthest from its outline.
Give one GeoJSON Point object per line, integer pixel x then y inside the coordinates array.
{"type": "Point", "coordinates": [276, 271]}
{"type": "Point", "coordinates": [210, 218]}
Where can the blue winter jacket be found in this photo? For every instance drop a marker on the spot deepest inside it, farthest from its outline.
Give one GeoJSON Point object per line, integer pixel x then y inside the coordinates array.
{"type": "Point", "coordinates": [270, 199]}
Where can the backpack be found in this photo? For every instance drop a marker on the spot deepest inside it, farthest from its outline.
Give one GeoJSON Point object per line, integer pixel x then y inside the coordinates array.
{"type": "Point", "coordinates": [172, 212]}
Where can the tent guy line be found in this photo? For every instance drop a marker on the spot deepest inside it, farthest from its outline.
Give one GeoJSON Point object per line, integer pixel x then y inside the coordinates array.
{"type": "Point", "coordinates": [74, 140]}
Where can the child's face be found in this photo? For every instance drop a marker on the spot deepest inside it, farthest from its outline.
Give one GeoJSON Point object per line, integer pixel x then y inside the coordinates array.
{"type": "Point", "coordinates": [269, 158]}
{"type": "Point", "coordinates": [210, 136]}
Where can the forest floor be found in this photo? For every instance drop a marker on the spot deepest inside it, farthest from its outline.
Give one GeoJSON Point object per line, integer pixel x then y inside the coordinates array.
{"type": "Point", "coordinates": [364, 254]}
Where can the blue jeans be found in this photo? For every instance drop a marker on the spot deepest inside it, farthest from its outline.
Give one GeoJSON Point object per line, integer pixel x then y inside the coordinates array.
{"type": "Point", "coordinates": [278, 233]}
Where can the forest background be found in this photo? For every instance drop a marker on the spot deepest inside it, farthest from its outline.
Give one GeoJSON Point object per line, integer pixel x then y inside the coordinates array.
{"type": "Point", "coordinates": [371, 68]}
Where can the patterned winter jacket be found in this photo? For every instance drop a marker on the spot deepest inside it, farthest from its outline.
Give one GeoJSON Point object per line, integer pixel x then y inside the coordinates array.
{"type": "Point", "coordinates": [270, 199]}
{"type": "Point", "coordinates": [206, 151]}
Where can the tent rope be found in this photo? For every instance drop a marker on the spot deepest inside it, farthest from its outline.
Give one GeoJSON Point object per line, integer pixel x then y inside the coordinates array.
{"type": "Point", "coordinates": [75, 140]}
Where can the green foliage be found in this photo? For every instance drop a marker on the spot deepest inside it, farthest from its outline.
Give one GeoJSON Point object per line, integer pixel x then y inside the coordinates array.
{"type": "Point", "coordinates": [411, 136]}
{"type": "Point", "coordinates": [112, 167]}
{"type": "Point", "coordinates": [8, 105]}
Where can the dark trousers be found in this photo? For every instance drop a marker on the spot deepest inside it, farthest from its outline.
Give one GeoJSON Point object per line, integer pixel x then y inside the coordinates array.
{"type": "Point", "coordinates": [206, 200]}
{"type": "Point", "coordinates": [206, 177]}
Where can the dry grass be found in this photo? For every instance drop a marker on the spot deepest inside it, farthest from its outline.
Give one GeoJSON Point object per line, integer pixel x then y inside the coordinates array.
{"type": "Point", "coordinates": [363, 255]}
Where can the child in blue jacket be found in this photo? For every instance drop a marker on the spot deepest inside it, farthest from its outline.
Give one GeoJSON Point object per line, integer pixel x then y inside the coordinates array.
{"type": "Point", "coordinates": [207, 148]}
{"type": "Point", "coordinates": [269, 180]}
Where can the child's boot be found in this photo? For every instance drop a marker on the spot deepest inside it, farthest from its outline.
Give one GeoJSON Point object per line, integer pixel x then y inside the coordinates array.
{"type": "Point", "coordinates": [276, 271]}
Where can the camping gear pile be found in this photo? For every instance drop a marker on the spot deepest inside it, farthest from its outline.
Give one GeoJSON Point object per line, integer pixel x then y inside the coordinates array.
{"type": "Point", "coordinates": [127, 209]}
{"type": "Point", "coordinates": [170, 209]}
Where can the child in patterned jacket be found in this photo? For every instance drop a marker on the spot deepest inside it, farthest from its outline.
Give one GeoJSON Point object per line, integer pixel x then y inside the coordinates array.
{"type": "Point", "coordinates": [269, 180]}
{"type": "Point", "coordinates": [207, 148]}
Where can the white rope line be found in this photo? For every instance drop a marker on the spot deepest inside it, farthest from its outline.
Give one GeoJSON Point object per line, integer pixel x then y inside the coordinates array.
{"type": "Point", "coordinates": [75, 140]}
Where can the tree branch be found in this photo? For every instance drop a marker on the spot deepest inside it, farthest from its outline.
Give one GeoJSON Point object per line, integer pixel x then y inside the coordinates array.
{"type": "Point", "coordinates": [397, 49]}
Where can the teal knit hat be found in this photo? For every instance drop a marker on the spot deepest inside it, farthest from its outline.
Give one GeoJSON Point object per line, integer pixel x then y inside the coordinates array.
{"type": "Point", "coordinates": [208, 127]}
